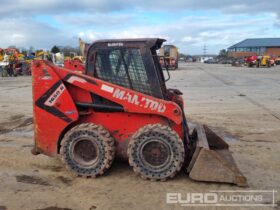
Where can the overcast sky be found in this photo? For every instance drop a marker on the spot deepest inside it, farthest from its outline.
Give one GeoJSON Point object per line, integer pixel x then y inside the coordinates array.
{"type": "Point", "coordinates": [187, 23]}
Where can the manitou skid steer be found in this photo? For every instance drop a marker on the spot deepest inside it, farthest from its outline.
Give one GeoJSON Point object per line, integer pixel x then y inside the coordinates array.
{"type": "Point", "coordinates": [122, 108]}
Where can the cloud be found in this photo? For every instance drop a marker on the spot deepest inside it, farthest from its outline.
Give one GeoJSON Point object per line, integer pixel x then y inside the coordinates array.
{"type": "Point", "coordinates": [31, 7]}
{"type": "Point", "coordinates": [98, 19]}
{"type": "Point", "coordinates": [26, 32]}
{"type": "Point", "coordinates": [191, 33]}
{"type": "Point", "coordinates": [189, 24]}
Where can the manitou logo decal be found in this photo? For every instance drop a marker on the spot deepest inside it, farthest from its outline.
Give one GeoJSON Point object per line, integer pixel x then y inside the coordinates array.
{"type": "Point", "coordinates": [55, 95]}
{"type": "Point", "coordinates": [139, 101]}
{"type": "Point", "coordinates": [134, 99]}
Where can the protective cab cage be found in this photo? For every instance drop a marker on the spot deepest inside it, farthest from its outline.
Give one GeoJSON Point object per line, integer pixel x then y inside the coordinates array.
{"type": "Point", "coordinates": [131, 63]}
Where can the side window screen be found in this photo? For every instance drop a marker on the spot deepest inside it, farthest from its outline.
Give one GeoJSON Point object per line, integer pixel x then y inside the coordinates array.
{"type": "Point", "coordinates": [123, 67]}
{"type": "Point", "coordinates": [110, 67]}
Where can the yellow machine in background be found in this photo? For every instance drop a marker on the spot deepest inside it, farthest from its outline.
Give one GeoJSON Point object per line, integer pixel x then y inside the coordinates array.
{"type": "Point", "coordinates": [21, 57]}
{"type": "Point", "coordinates": [41, 54]}
{"type": "Point", "coordinates": [82, 46]}
{"type": "Point", "coordinates": [168, 56]}
{"type": "Point", "coordinates": [2, 53]}
{"type": "Point", "coordinates": [264, 61]}
{"type": "Point", "coordinates": [75, 56]}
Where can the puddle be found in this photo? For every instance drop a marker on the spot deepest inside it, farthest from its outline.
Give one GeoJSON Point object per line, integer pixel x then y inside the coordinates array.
{"type": "Point", "coordinates": [17, 124]}
{"type": "Point", "coordinates": [32, 180]}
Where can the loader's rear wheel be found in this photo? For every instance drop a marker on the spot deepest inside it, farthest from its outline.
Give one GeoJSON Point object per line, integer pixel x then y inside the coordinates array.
{"type": "Point", "coordinates": [156, 152]}
{"type": "Point", "coordinates": [88, 149]}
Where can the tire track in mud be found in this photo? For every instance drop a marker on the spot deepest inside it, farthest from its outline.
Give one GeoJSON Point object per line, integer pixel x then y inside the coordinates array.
{"type": "Point", "coordinates": [15, 123]}
{"type": "Point", "coordinates": [229, 84]}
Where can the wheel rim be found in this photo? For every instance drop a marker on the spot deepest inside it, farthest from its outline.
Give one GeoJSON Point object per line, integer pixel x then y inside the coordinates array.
{"type": "Point", "coordinates": [85, 152]}
{"type": "Point", "coordinates": [155, 153]}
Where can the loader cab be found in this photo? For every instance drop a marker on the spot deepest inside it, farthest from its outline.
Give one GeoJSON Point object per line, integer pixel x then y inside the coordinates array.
{"type": "Point", "coordinates": [131, 63]}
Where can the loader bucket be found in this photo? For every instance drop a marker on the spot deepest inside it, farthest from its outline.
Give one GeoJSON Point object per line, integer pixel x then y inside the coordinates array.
{"type": "Point", "coordinates": [211, 160]}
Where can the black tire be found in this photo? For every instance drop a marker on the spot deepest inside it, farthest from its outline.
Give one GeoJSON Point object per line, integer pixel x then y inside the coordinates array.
{"type": "Point", "coordinates": [156, 152]}
{"type": "Point", "coordinates": [268, 64]}
{"type": "Point", "coordinates": [88, 150]}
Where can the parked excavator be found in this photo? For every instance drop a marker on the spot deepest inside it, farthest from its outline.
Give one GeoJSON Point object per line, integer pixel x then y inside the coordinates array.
{"type": "Point", "coordinates": [121, 107]}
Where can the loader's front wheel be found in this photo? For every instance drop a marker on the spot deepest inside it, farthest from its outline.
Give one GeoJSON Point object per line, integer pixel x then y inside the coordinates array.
{"type": "Point", "coordinates": [156, 152]}
{"type": "Point", "coordinates": [88, 149]}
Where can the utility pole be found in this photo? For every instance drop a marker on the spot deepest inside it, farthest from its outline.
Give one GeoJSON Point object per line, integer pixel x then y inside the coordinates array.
{"type": "Point", "coordinates": [204, 50]}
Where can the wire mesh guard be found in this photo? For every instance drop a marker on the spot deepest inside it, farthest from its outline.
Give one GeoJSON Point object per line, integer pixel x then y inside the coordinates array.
{"type": "Point", "coordinates": [123, 67]}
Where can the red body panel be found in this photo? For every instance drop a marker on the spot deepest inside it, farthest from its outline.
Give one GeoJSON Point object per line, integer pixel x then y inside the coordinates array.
{"type": "Point", "coordinates": [131, 100]}
{"type": "Point", "coordinates": [79, 94]}
{"type": "Point", "coordinates": [74, 65]}
{"type": "Point", "coordinates": [56, 90]}
{"type": "Point", "coordinates": [53, 108]}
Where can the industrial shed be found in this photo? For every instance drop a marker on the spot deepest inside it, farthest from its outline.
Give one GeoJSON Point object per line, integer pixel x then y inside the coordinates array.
{"type": "Point", "coordinates": [259, 46]}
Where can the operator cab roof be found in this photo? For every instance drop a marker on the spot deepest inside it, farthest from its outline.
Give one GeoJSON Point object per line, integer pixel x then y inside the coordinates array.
{"type": "Point", "coordinates": [149, 42]}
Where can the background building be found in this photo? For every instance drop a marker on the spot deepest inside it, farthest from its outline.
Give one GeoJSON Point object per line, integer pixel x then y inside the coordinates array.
{"type": "Point", "coordinates": [261, 46]}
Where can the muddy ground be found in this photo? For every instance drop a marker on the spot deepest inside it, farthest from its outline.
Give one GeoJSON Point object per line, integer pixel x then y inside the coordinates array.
{"type": "Point", "coordinates": [241, 104]}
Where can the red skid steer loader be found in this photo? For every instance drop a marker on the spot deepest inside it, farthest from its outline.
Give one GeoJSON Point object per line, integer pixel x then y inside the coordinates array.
{"type": "Point", "coordinates": [121, 107]}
